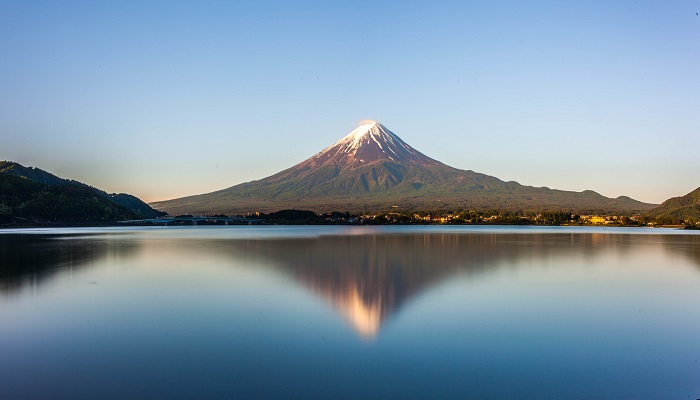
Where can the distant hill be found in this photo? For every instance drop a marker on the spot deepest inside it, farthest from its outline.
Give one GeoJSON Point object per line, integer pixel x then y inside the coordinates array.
{"type": "Point", "coordinates": [34, 174]}
{"type": "Point", "coordinates": [372, 169]}
{"type": "Point", "coordinates": [136, 205]}
{"type": "Point", "coordinates": [682, 207]}
{"type": "Point", "coordinates": [24, 199]}
{"type": "Point", "coordinates": [70, 189]}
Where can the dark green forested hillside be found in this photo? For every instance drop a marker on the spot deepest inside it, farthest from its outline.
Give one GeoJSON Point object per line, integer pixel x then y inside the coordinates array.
{"type": "Point", "coordinates": [22, 199]}
{"type": "Point", "coordinates": [678, 208]}
{"type": "Point", "coordinates": [34, 174]}
{"type": "Point", "coordinates": [133, 203]}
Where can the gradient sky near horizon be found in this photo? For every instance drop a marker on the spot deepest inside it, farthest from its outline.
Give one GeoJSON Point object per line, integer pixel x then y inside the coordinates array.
{"type": "Point", "coordinates": [168, 99]}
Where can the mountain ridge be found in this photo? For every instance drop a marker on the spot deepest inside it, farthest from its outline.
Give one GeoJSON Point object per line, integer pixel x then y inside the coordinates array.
{"type": "Point", "coordinates": [373, 169]}
{"type": "Point", "coordinates": [680, 207]}
{"type": "Point", "coordinates": [130, 202]}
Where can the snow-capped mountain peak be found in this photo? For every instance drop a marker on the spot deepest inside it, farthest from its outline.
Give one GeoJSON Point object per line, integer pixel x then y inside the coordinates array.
{"type": "Point", "coordinates": [369, 142]}
{"type": "Point", "coordinates": [371, 169]}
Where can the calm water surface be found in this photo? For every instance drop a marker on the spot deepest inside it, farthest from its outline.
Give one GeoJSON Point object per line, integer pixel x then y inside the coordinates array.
{"type": "Point", "coordinates": [350, 312]}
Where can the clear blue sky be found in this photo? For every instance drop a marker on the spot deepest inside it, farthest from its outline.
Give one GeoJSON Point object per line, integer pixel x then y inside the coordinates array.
{"type": "Point", "coordinates": [169, 99]}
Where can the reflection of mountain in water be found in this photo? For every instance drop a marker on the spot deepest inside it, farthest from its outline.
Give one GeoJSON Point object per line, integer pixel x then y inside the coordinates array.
{"type": "Point", "coordinates": [369, 277]}
{"type": "Point", "coordinates": [686, 245]}
{"type": "Point", "coordinates": [31, 260]}
{"type": "Point", "coordinates": [366, 278]}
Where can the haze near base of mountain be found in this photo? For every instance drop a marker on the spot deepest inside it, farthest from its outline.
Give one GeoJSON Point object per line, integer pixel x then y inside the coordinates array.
{"type": "Point", "coordinates": [372, 169]}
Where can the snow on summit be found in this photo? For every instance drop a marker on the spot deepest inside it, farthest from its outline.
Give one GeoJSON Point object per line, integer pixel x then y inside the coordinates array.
{"type": "Point", "coordinates": [370, 141]}
{"type": "Point", "coordinates": [365, 131]}
{"type": "Point", "coordinates": [371, 168]}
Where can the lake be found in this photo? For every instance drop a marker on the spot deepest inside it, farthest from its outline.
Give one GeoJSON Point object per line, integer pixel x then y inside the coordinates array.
{"type": "Point", "coordinates": [340, 312]}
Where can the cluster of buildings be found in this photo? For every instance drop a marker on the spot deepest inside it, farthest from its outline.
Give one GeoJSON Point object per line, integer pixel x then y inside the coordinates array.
{"type": "Point", "coordinates": [495, 218]}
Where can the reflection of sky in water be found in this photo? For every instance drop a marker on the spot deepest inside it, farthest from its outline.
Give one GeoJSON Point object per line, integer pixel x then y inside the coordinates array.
{"type": "Point", "coordinates": [340, 312]}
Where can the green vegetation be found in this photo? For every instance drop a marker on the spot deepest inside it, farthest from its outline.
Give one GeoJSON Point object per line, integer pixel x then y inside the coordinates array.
{"type": "Point", "coordinates": [23, 201]}
{"type": "Point", "coordinates": [676, 211]}
{"type": "Point", "coordinates": [60, 210]}
{"type": "Point", "coordinates": [134, 204]}
{"type": "Point", "coordinates": [493, 217]}
{"type": "Point", "coordinates": [291, 217]}
{"type": "Point", "coordinates": [396, 217]}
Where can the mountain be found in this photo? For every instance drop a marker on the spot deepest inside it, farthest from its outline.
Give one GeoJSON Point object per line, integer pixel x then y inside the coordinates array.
{"type": "Point", "coordinates": [22, 199]}
{"type": "Point", "coordinates": [682, 207]}
{"type": "Point", "coordinates": [372, 169]}
{"type": "Point", "coordinates": [131, 203]}
{"type": "Point", "coordinates": [136, 205]}
{"type": "Point", "coordinates": [34, 174]}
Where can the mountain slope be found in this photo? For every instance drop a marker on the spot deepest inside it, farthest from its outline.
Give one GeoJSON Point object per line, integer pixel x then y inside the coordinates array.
{"type": "Point", "coordinates": [372, 169]}
{"type": "Point", "coordinates": [132, 203]}
{"type": "Point", "coordinates": [24, 199]}
{"type": "Point", "coordinates": [681, 207]}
